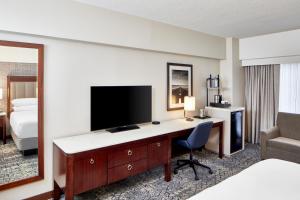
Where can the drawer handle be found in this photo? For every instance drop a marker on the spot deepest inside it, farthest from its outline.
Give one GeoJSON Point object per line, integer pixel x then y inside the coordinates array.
{"type": "Point", "coordinates": [129, 167]}
{"type": "Point", "coordinates": [92, 161]}
{"type": "Point", "coordinates": [129, 152]}
{"type": "Point", "coordinates": [158, 144]}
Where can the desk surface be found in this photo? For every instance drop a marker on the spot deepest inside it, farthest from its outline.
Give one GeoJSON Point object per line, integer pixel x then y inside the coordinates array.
{"type": "Point", "coordinates": [100, 139]}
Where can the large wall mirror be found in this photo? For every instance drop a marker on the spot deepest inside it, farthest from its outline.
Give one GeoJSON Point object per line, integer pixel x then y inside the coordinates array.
{"type": "Point", "coordinates": [21, 113]}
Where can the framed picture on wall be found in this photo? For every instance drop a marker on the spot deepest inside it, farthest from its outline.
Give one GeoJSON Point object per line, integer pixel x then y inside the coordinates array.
{"type": "Point", "coordinates": [179, 83]}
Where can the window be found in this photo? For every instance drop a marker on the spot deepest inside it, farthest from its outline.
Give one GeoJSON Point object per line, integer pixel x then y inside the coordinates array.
{"type": "Point", "coordinates": [289, 92]}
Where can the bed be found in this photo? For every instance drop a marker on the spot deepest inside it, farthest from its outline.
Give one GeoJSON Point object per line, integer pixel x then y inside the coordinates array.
{"type": "Point", "coordinates": [269, 179]}
{"type": "Point", "coordinates": [23, 117]}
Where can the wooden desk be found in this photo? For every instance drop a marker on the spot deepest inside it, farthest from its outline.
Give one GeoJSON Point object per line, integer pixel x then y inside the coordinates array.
{"type": "Point", "coordinates": [3, 126]}
{"type": "Point", "coordinates": [88, 161]}
{"type": "Point", "coordinates": [186, 132]}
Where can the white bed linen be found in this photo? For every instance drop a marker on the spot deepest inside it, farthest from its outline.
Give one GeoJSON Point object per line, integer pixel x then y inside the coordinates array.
{"type": "Point", "coordinates": [24, 102]}
{"type": "Point", "coordinates": [24, 123]}
{"type": "Point", "coordinates": [24, 108]}
{"type": "Point", "coordinates": [269, 179]}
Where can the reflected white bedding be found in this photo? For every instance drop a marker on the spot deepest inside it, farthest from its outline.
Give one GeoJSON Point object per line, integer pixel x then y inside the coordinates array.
{"type": "Point", "coordinates": [269, 179]}
{"type": "Point", "coordinates": [24, 123]}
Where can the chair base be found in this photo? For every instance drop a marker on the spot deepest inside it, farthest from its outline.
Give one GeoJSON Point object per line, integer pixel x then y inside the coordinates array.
{"type": "Point", "coordinates": [192, 163]}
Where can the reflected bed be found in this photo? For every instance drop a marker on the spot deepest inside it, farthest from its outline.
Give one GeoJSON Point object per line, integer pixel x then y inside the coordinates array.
{"type": "Point", "coordinates": [24, 129]}
{"type": "Point", "coordinates": [23, 116]}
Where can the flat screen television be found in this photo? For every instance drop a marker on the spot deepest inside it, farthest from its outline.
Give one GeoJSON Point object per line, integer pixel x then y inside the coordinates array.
{"type": "Point", "coordinates": [117, 108]}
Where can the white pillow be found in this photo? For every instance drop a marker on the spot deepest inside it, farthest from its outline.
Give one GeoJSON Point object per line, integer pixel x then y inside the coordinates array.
{"type": "Point", "coordinates": [25, 108]}
{"type": "Point", "coordinates": [24, 102]}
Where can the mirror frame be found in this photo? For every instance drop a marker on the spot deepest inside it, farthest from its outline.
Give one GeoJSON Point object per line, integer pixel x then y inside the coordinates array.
{"type": "Point", "coordinates": [40, 176]}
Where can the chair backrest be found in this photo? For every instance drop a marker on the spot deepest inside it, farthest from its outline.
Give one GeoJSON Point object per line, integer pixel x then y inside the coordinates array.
{"type": "Point", "coordinates": [289, 125]}
{"type": "Point", "coordinates": [199, 136]}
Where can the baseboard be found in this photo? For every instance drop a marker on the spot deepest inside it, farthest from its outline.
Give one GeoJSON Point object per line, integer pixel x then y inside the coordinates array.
{"type": "Point", "coordinates": [43, 196]}
{"type": "Point", "coordinates": [54, 194]}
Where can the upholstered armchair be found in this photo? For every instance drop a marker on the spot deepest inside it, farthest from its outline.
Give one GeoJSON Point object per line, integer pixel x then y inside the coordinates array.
{"type": "Point", "coordinates": [283, 140]}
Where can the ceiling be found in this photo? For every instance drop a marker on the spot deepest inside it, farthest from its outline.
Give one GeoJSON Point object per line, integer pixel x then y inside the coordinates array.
{"type": "Point", "coordinates": [225, 18]}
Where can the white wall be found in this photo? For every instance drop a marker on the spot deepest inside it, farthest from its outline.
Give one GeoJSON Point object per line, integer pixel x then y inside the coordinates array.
{"type": "Point", "coordinates": [231, 73]}
{"type": "Point", "coordinates": [72, 67]}
{"type": "Point", "coordinates": [238, 77]}
{"type": "Point", "coordinates": [86, 46]}
{"type": "Point", "coordinates": [276, 48]}
{"type": "Point", "coordinates": [226, 72]}
{"type": "Point", "coordinates": [17, 54]}
{"type": "Point", "coordinates": [73, 20]}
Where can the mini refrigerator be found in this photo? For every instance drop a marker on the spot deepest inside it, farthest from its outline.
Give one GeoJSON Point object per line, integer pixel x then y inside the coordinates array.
{"type": "Point", "coordinates": [236, 131]}
{"type": "Point", "coordinates": [233, 130]}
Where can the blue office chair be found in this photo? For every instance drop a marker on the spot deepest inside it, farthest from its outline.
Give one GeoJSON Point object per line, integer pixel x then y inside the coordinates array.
{"type": "Point", "coordinates": [196, 140]}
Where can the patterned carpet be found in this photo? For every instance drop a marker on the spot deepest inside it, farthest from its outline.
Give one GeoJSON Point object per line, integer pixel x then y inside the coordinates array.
{"type": "Point", "coordinates": [14, 166]}
{"type": "Point", "coordinates": [151, 185]}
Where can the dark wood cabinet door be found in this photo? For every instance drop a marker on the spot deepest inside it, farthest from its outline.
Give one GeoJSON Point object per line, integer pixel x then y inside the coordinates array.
{"type": "Point", "coordinates": [2, 121]}
{"type": "Point", "coordinates": [90, 172]}
{"type": "Point", "coordinates": [157, 153]}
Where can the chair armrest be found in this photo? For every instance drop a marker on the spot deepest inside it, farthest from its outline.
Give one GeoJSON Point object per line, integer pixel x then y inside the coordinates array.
{"type": "Point", "coordinates": [265, 136]}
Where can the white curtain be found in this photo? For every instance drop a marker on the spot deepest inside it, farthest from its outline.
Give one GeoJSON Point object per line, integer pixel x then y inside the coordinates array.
{"type": "Point", "coordinates": [289, 92]}
{"type": "Point", "coordinates": [261, 99]}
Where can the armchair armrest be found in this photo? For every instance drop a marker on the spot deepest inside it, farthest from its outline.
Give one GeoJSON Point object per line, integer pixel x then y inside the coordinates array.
{"type": "Point", "coordinates": [264, 137]}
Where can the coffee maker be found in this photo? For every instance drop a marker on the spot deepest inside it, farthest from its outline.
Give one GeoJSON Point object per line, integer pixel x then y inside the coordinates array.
{"type": "Point", "coordinates": [217, 98]}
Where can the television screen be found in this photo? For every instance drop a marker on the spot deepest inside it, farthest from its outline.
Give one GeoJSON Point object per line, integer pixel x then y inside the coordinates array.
{"type": "Point", "coordinates": [115, 106]}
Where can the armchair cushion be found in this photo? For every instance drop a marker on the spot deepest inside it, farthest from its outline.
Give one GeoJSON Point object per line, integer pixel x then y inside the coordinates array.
{"type": "Point", "coordinates": [284, 149]}
{"type": "Point", "coordinates": [265, 136]}
{"type": "Point", "coordinates": [282, 141]}
{"type": "Point", "coordinates": [285, 144]}
{"type": "Point", "coordinates": [289, 125]}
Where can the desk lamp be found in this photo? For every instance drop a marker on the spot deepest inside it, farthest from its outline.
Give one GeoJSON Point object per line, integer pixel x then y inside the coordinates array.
{"type": "Point", "coordinates": [189, 105]}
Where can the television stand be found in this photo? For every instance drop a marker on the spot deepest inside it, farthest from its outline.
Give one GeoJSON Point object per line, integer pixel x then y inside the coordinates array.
{"type": "Point", "coordinates": [122, 128]}
{"type": "Point", "coordinates": [79, 168]}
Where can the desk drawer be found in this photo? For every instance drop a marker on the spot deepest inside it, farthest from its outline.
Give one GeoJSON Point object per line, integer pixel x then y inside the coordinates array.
{"type": "Point", "coordinates": [126, 155]}
{"type": "Point", "coordinates": [126, 170]}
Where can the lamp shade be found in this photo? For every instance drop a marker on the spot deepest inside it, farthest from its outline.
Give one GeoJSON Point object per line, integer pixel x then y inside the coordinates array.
{"type": "Point", "coordinates": [189, 103]}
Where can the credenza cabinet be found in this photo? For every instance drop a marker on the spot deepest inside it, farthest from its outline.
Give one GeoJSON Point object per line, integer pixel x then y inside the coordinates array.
{"type": "Point", "coordinates": [83, 171]}
{"type": "Point", "coordinates": [81, 164]}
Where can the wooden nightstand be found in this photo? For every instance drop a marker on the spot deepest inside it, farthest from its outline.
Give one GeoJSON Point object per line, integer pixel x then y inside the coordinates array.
{"type": "Point", "coordinates": [3, 126]}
